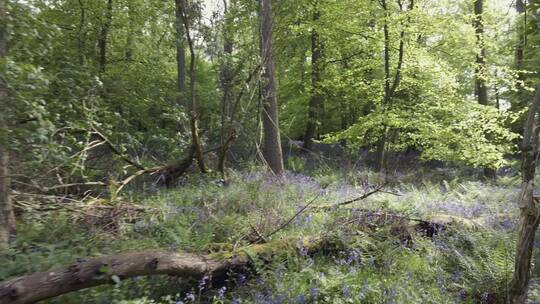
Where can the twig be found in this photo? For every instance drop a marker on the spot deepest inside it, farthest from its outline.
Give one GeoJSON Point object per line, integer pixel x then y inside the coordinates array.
{"type": "Point", "coordinates": [291, 219]}
{"type": "Point", "coordinates": [364, 196]}
{"type": "Point", "coordinates": [117, 152]}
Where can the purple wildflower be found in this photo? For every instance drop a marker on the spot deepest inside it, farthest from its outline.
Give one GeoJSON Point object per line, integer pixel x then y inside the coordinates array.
{"type": "Point", "coordinates": [301, 299]}
{"type": "Point", "coordinates": [241, 279]}
{"type": "Point", "coordinates": [221, 293]}
{"type": "Point", "coordinates": [346, 292]}
{"type": "Point", "coordinates": [190, 297]}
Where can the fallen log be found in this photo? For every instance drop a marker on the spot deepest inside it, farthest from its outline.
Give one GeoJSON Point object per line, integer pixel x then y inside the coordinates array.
{"type": "Point", "coordinates": [109, 269]}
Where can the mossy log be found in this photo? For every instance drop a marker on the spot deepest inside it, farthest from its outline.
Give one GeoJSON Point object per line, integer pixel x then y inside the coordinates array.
{"type": "Point", "coordinates": [108, 269]}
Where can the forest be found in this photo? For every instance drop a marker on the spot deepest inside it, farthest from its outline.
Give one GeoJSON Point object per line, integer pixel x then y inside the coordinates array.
{"type": "Point", "coordinates": [269, 151]}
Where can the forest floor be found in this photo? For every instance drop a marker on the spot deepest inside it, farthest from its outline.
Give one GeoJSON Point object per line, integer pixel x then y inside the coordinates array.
{"type": "Point", "coordinates": [470, 261]}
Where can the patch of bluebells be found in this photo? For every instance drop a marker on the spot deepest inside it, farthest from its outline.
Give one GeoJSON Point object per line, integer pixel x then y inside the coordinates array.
{"type": "Point", "coordinates": [268, 298]}
{"type": "Point", "coordinates": [304, 182]}
{"type": "Point", "coordinates": [221, 293]}
{"type": "Point", "coordinates": [457, 208]}
{"type": "Point", "coordinates": [507, 224]}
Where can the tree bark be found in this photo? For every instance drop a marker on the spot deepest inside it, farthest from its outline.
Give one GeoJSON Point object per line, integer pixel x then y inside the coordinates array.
{"type": "Point", "coordinates": [7, 218]}
{"type": "Point", "coordinates": [530, 209]}
{"type": "Point", "coordinates": [102, 43]}
{"type": "Point", "coordinates": [316, 99]}
{"type": "Point", "coordinates": [272, 139]}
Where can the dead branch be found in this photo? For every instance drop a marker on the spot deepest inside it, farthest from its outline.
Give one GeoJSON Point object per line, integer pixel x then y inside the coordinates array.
{"type": "Point", "coordinates": [116, 151]}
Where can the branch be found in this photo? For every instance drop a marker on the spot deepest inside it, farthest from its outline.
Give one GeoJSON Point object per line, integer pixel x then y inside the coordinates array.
{"type": "Point", "coordinates": [117, 152]}
{"type": "Point", "coordinates": [289, 221]}
{"type": "Point", "coordinates": [364, 196]}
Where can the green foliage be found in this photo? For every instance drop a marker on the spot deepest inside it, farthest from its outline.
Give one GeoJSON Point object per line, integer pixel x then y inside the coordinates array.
{"type": "Point", "coordinates": [459, 264]}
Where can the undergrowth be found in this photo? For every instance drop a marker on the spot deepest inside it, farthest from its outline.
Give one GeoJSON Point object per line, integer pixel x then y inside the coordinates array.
{"type": "Point", "coordinates": [470, 262]}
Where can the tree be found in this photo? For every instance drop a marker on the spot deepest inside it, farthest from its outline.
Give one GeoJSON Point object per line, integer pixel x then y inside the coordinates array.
{"type": "Point", "coordinates": [102, 42]}
{"type": "Point", "coordinates": [389, 85]}
{"type": "Point", "coordinates": [316, 98]}
{"type": "Point", "coordinates": [180, 53]}
{"type": "Point", "coordinates": [481, 68]}
{"type": "Point", "coordinates": [7, 218]}
{"type": "Point", "coordinates": [272, 140]}
{"type": "Point", "coordinates": [530, 210]}
{"type": "Point", "coordinates": [520, 9]}
{"type": "Point", "coordinates": [181, 6]}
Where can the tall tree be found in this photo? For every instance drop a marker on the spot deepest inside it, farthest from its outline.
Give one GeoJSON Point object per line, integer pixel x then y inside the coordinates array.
{"type": "Point", "coordinates": [316, 99]}
{"type": "Point", "coordinates": [520, 10]}
{"type": "Point", "coordinates": [7, 218]}
{"type": "Point", "coordinates": [180, 52]}
{"type": "Point", "coordinates": [530, 209]}
{"type": "Point", "coordinates": [226, 84]}
{"type": "Point", "coordinates": [481, 67]}
{"type": "Point", "coordinates": [182, 6]}
{"type": "Point", "coordinates": [480, 81]}
{"type": "Point", "coordinates": [81, 37]}
{"type": "Point", "coordinates": [103, 36]}
{"type": "Point", "coordinates": [390, 86]}
{"type": "Point", "coordinates": [272, 140]}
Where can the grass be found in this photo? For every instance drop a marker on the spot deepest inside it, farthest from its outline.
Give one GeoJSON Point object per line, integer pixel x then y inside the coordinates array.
{"type": "Point", "coordinates": [461, 265]}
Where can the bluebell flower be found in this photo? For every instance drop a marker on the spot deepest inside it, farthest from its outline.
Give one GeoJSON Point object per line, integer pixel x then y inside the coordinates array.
{"type": "Point", "coordinates": [202, 283]}
{"type": "Point", "coordinates": [314, 292]}
{"type": "Point", "coordinates": [236, 301]}
{"type": "Point", "coordinates": [484, 297]}
{"type": "Point", "coordinates": [301, 299]}
{"type": "Point", "coordinates": [190, 297]}
{"type": "Point", "coordinates": [346, 292]}
{"type": "Point", "coordinates": [241, 279]}
{"type": "Point", "coordinates": [221, 292]}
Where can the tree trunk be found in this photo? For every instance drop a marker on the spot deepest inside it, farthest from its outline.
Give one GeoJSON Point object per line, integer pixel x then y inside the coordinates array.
{"type": "Point", "coordinates": [520, 9]}
{"type": "Point", "coordinates": [7, 218]}
{"type": "Point", "coordinates": [81, 38]}
{"type": "Point", "coordinates": [481, 69]}
{"type": "Point", "coordinates": [316, 99]}
{"type": "Point", "coordinates": [195, 139]}
{"type": "Point", "coordinates": [103, 37]}
{"type": "Point", "coordinates": [530, 210]}
{"type": "Point", "coordinates": [130, 42]}
{"type": "Point", "coordinates": [480, 82]}
{"type": "Point", "coordinates": [389, 86]}
{"type": "Point", "coordinates": [225, 81]}
{"type": "Point", "coordinates": [180, 54]}
{"type": "Point", "coordinates": [272, 140]}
